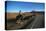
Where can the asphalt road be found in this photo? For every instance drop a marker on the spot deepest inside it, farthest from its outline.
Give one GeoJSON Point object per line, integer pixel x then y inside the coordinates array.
{"type": "Point", "coordinates": [37, 23]}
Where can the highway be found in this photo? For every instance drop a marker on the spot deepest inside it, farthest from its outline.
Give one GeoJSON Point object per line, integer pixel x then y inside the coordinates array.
{"type": "Point", "coordinates": [37, 23]}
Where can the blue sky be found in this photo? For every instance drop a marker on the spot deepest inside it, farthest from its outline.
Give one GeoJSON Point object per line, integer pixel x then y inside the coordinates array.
{"type": "Point", "coordinates": [16, 6]}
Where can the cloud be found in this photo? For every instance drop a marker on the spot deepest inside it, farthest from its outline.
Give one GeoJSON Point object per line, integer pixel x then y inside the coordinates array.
{"type": "Point", "coordinates": [12, 11]}
{"type": "Point", "coordinates": [17, 11]}
{"type": "Point", "coordinates": [38, 10]}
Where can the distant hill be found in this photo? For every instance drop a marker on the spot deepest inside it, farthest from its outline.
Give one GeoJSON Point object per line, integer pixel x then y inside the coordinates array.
{"type": "Point", "coordinates": [40, 12]}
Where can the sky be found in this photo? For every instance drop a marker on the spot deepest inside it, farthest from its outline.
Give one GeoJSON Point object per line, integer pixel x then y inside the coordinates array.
{"type": "Point", "coordinates": [16, 6]}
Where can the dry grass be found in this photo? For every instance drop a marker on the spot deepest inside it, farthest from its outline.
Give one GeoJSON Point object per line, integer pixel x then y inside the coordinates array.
{"type": "Point", "coordinates": [13, 15]}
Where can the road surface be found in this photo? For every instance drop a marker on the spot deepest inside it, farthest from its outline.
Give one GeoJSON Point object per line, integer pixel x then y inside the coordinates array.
{"type": "Point", "coordinates": [37, 23]}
